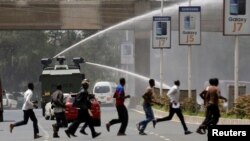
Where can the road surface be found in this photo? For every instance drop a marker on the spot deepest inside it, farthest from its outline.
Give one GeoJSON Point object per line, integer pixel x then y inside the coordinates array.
{"type": "Point", "coordinates": [164, 131]}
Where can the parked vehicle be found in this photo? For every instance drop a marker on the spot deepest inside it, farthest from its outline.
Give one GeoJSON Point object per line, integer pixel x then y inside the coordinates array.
{"type": "Point", "coordinates": [49, 112]}
{"type": "Point", "coordinates": [71, 112]}
{"type": "Point", "coordinates": [9, 101]}
{"type": "Point", "coordinates": [104, 92]}
{"type": "Point", "coordinates": [96, 111]}
{"type": "Point", "coordinates": [19, 96]}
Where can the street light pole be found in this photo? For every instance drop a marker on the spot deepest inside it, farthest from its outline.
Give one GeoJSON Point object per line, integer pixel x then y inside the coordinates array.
{"type": "Point", "coordinates": [161, 57]}
{"type": "Point", "coordinates": [189, 65]}
{"type": "Point", "coordinates": [236, 68]}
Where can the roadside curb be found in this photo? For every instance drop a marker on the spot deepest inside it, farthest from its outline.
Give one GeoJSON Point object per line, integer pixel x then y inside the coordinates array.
{"type": "Point", "coordinates": [196, 119]}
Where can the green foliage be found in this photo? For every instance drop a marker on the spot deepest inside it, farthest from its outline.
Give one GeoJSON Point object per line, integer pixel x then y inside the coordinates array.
{"type": "Point", "coordinates": [20, 56]}
{"type": "Point", "coordinates": [242, 107]}
{"type": "Point", "coordinates": [189, 105]}
{"type": "Point", "coordinates": [162, 102]}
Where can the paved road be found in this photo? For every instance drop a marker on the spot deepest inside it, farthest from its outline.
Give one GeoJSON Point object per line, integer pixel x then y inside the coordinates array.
{"type": "Point", "coordinates": [165, 131]}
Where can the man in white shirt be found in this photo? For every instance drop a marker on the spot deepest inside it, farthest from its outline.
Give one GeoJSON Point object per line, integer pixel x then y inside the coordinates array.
{"type": "Point", "coordinates": [174, 107]}
{"type": "Point", "coordinates": [27, 108]}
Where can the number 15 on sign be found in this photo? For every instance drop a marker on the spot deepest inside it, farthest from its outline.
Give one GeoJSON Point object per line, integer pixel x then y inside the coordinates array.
{"type": "Point", "coordinates": [190, 38]}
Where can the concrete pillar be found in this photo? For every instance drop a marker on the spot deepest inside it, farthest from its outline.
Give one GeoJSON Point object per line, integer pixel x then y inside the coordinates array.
{"type": "Point", "coordinates": [142, 51]}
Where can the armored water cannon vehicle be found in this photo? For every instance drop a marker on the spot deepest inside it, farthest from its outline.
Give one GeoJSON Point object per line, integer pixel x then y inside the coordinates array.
{"type": "Point", "coordinates": [67, 75]}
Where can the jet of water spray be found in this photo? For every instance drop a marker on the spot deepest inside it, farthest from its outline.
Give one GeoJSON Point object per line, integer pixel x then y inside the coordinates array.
{"type": "Point", "coordinates": [137, 18]}
{"type": "Point", "coordinates": [127, 22]}
{"type": "Point", "coordinates": [127, 72]}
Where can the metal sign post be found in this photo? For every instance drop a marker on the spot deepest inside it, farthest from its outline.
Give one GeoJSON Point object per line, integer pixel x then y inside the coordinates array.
{"type": "Point", "coordinates": [161, 38]}
{"type": "Point", "coordinates": [189, 33]}
{"type": "Point", "coordinates": [236, 22]}
{"type": "Point", "coordinates": [161, 60]}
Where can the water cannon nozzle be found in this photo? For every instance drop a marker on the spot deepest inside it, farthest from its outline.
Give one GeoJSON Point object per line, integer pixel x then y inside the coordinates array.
{"type": "Point", "coordinates": [78, 61]}
{"type": "Point", "coordinates": [46, 61]}
{"type": "Point", "coordinates": [61, 59]}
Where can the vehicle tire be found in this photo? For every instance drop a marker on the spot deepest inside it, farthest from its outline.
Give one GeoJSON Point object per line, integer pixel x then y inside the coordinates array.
{"type": "Point", "coordinates": [52, 117]}
{"type": "Point", "coordinates": [43, 108]}
{"type": "Point", "coordinates": [47, 117]}
{"type": "Point", "coordinates": [7, 104]}
{"type": "Point", "coordinates": [43, 111]}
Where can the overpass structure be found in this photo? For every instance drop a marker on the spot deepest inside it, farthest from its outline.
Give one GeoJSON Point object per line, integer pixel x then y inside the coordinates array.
{"type": "Point", "coordinates": [71, 14]}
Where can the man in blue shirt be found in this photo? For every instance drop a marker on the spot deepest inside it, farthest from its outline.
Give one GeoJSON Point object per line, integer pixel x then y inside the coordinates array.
{"type": "Point", "coordinates": [121, 109]}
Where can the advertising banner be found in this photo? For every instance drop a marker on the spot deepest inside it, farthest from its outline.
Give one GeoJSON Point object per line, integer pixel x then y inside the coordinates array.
{"type": "Point", "coordinates": [161, 32]}
{"type": "Point", "coordinates": [189, 25]}
{"type": "Point", "coordinates": [127, 53]}
{"type": "Point", "coordinates": [236, 17]}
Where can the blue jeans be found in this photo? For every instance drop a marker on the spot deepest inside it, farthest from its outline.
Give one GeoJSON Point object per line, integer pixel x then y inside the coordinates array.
{"type": "Point", "coordinates": [149, 117]}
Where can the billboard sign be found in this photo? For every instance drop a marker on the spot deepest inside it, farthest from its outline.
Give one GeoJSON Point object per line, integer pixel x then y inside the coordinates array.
{"type": "Point", "coordinates": [127, 53]}
{"type": "Point", "coordinates": [236, 17]}
{"type": "Point", "coordinates": [161, 32]}
{"type": "Point", "coordinates": [189, 25]}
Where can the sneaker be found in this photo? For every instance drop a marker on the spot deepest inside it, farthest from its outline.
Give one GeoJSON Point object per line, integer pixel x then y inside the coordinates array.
{"type": "Point", "coordinates": [11, 127]}
{"type": "Point", "coordinates": [96, 135]}
{"type": "Point", "coordinates": [138, 126]}
{"type": "Point", "coordinates": [199, 131]}
{"type": "Point", "coordinates": [188, 132]}
{"type": "Point", "coordinates": [121, 134]}
{"type": "Point", "coordinates": [56, 136]}
{"type": "Point", "coordinates": [83, 132]}
{"type": "Point", "coordinates": [154, 122]}
{"type": "Point", "coordinates": [203, 130]}
{"type": "Point", "coordinates": [142, 133]}
{"type": "Point", "coordinates": [37, 136]}
{"type": "Point", "coordinates": [108, 127]}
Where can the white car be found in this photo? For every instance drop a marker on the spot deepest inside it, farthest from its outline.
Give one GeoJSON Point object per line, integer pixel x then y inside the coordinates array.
{"type": "Point", "coordinates": [104, 92]}
{"type": "Point", "coordinates": [49, 112]}
{"type": "Point", "coordinates": [9, 101]}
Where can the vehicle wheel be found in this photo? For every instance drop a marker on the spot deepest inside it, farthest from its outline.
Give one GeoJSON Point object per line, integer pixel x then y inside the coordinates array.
{"type": "Point", "coordinates": [47, 117]}
{"type": "Point", "coordinates": [43, 109]}
{"type": "Point", "coordinates": [52, 117]}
